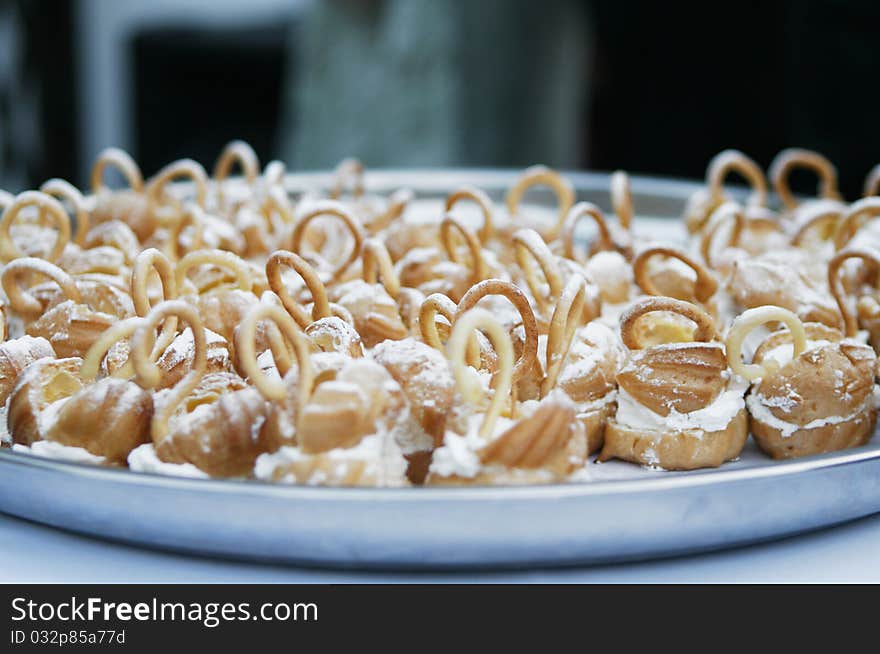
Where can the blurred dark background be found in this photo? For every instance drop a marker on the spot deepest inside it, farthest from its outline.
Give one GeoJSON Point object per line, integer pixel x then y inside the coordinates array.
{"type": "Point", "coordinates": [600, 84]}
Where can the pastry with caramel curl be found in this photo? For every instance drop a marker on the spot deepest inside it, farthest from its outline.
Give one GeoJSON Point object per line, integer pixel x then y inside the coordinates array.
{"type": "Point", "coordinates": [812, 389]}
{"type": "Point", "coordinates": [679, 406]}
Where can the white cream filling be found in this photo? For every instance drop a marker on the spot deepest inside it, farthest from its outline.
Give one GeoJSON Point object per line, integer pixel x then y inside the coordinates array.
{"type": "Point", "coordinates": [759, 407]}
{"type": "Point", "coordinates": [714, 417]}
{"type": "Point", "coordinates": [5, 436]}
{"type": "Point", "coordinates": [381, 454]}
{"type": "Point", "coordinates": [585, 409]}
{"type": "Point", "coordinates": [143, 458]}
{"type": "Point", "coordinates": [458, 454]}
{"type": "Point", "coordinates": [53, 450]}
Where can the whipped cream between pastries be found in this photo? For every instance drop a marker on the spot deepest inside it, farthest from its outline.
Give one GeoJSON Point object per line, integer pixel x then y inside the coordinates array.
{"type": "Point", "coordinates": [381, 456]}
{"type": "Point", "coordinates": [713, 417]}
{"type": "Point", "coordinates": [143, 458]}
{"type": "Point", "coordinates": [459, 455]}
{"type": "Point", "coordinates": [758, 408]}
{"type": "Point", "coordinates": [53, 450]}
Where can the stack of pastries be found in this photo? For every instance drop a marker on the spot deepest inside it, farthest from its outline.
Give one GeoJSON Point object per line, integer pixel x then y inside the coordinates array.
{"type": "Point", "coordinates": [215, 326]}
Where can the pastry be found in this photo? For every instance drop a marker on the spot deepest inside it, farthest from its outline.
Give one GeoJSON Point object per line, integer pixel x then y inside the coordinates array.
{"type": "Point", "coordinates": [544, 223]}
{"type": "Point", "coordinates": [339, 429]}
{"type": "Point", "coordinates": [374, 212]}
{"type": "Point", "coordinates": [544, 443]}
{"type": "Point", "coordinates": [222, 287]}
{"type": "Point", "coordinates": [793, 158]}
{"type": "Point", "coordinates": [521, 326]}
{"type": "Point", "coordinates": [856, 222]}
{"type": "Point", "coordinates": [679, 406]}
{"type": "Point", "coordinates": [705, 201]}
{"type": "Point", "coordinates": [60, 400]}
{"type": "Point", "coordinates": [67, 321]}
{"type": "Point", "coordinates": [447, 269]}
{"type": "Point", "coordinates": [330, 327]}
{"type": "Point", "coordinates": [226, 327]}
{"type": "Point", "coordinates": [812, 389]}
{"type": "Point", "coordinates": [582, 361]}
{"type": "Point", "coordinates": [676, 275]}
{"type": "Point", "coordinates": [34, 237]}
{"type": "Point", "coordinates": [332, 247]}
{"type": "Point", "coordinates": [866, 313]}
{"type": "Point", "coordinates": [211, 422]}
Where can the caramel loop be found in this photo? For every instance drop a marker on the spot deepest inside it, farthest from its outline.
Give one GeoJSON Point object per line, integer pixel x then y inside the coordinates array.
{"type": "Point", "coordinates": [377, 265]}
{"type": "Point", "coordinates": [835, 283]}
{"type": "Point", "coordinates": [729, 211]}
{"type": "Point", "coordinates": [279, 349]}
{"type": "Point", "coordinates": [193, 215]}
{"type": "Point", "coordinates": [182, 168]}
{"type": "Point", "coordinates": [705, 286]}
{"type": "Point", "coordinates": [220, 258]}
{"type": "Point", "coordinates": [478, 197]}
{"type": "Point", "coordinates": [527, 246]}
{"type": "Point", "coordinates": [241, 153]}
{"type": "Point", "coordinates": [705, 332]}
{"type": "Point", "coordinates": [146, 262]}
{"type": "Point", "coordinates": [478, 265]}
{"type": "Point", "coordinates": [122, 161]}
{"type": "Point", "coordinates": [621, 199]}
{"type": "Point", "coordinates": [337, 210]}
{"type": "Point", "coordinates": [431, 306]}
{"type": "Point", "coordinates": [818, 217]}
{"type": "Point", "coordinates": [6, 198]}
{"type": "Point", "coordinates": [278, 200]}
{"type": "Point", "coordinates": [542, 176]}
{"type": "Point", "coordinates": [46, 205]}
{"type": "Point", "coordinates": [245, 347]}
{"type": "Point", "coordinates": [733, 161]}
{"type": "Point", "coordinates": [528, 360]}
{"type": "Point", "coordinates": [349, 172]}
{"type": "Point", "coordinates": [148, 375]}
{"type": "Point", "coordinates": [235, 152]}
{"type": "Point", "coordinates": [858, 215]}
{"type": "Point", "coordinates": [567, 318]}
{"type": "Point", "coordinates": [468, 386]}
{"type": "Point", "coordinates": [793, 158]}
{"type": "Point", "coordinates": [273, 173]}
{"type": "Point", "coordinates": [872, 182]}
{"type": "Point", "coordinates": [578, 212]}
{"type": "Point", "coordinates": [397, 204]}
{"type": "Point", "coordinates": [65, 191]}
{"type": "Point", "coordinates": [320, 306]}
{"type": "Point", "coordinates": [17, 271]}
{"type": "Point", "coordinates": [91, 363]}
{"type": "Point", "coordinates": [745, 323]}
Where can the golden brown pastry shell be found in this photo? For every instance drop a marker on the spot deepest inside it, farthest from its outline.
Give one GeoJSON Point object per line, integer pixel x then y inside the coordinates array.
{"type": "Point", "coordinates": [818, 440]}
{"type": "Point", "coordinates": [689, 449]}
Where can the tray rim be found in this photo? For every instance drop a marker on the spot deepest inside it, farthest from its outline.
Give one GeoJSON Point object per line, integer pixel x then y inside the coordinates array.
{"type": "Point", "coordinates": [663, 482]}
{"type": "Point", "coordinates": [385, 179]}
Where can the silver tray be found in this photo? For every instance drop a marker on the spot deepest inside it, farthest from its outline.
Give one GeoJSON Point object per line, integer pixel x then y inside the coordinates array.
{"type": "Point", "coordinates": [619, 511]}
